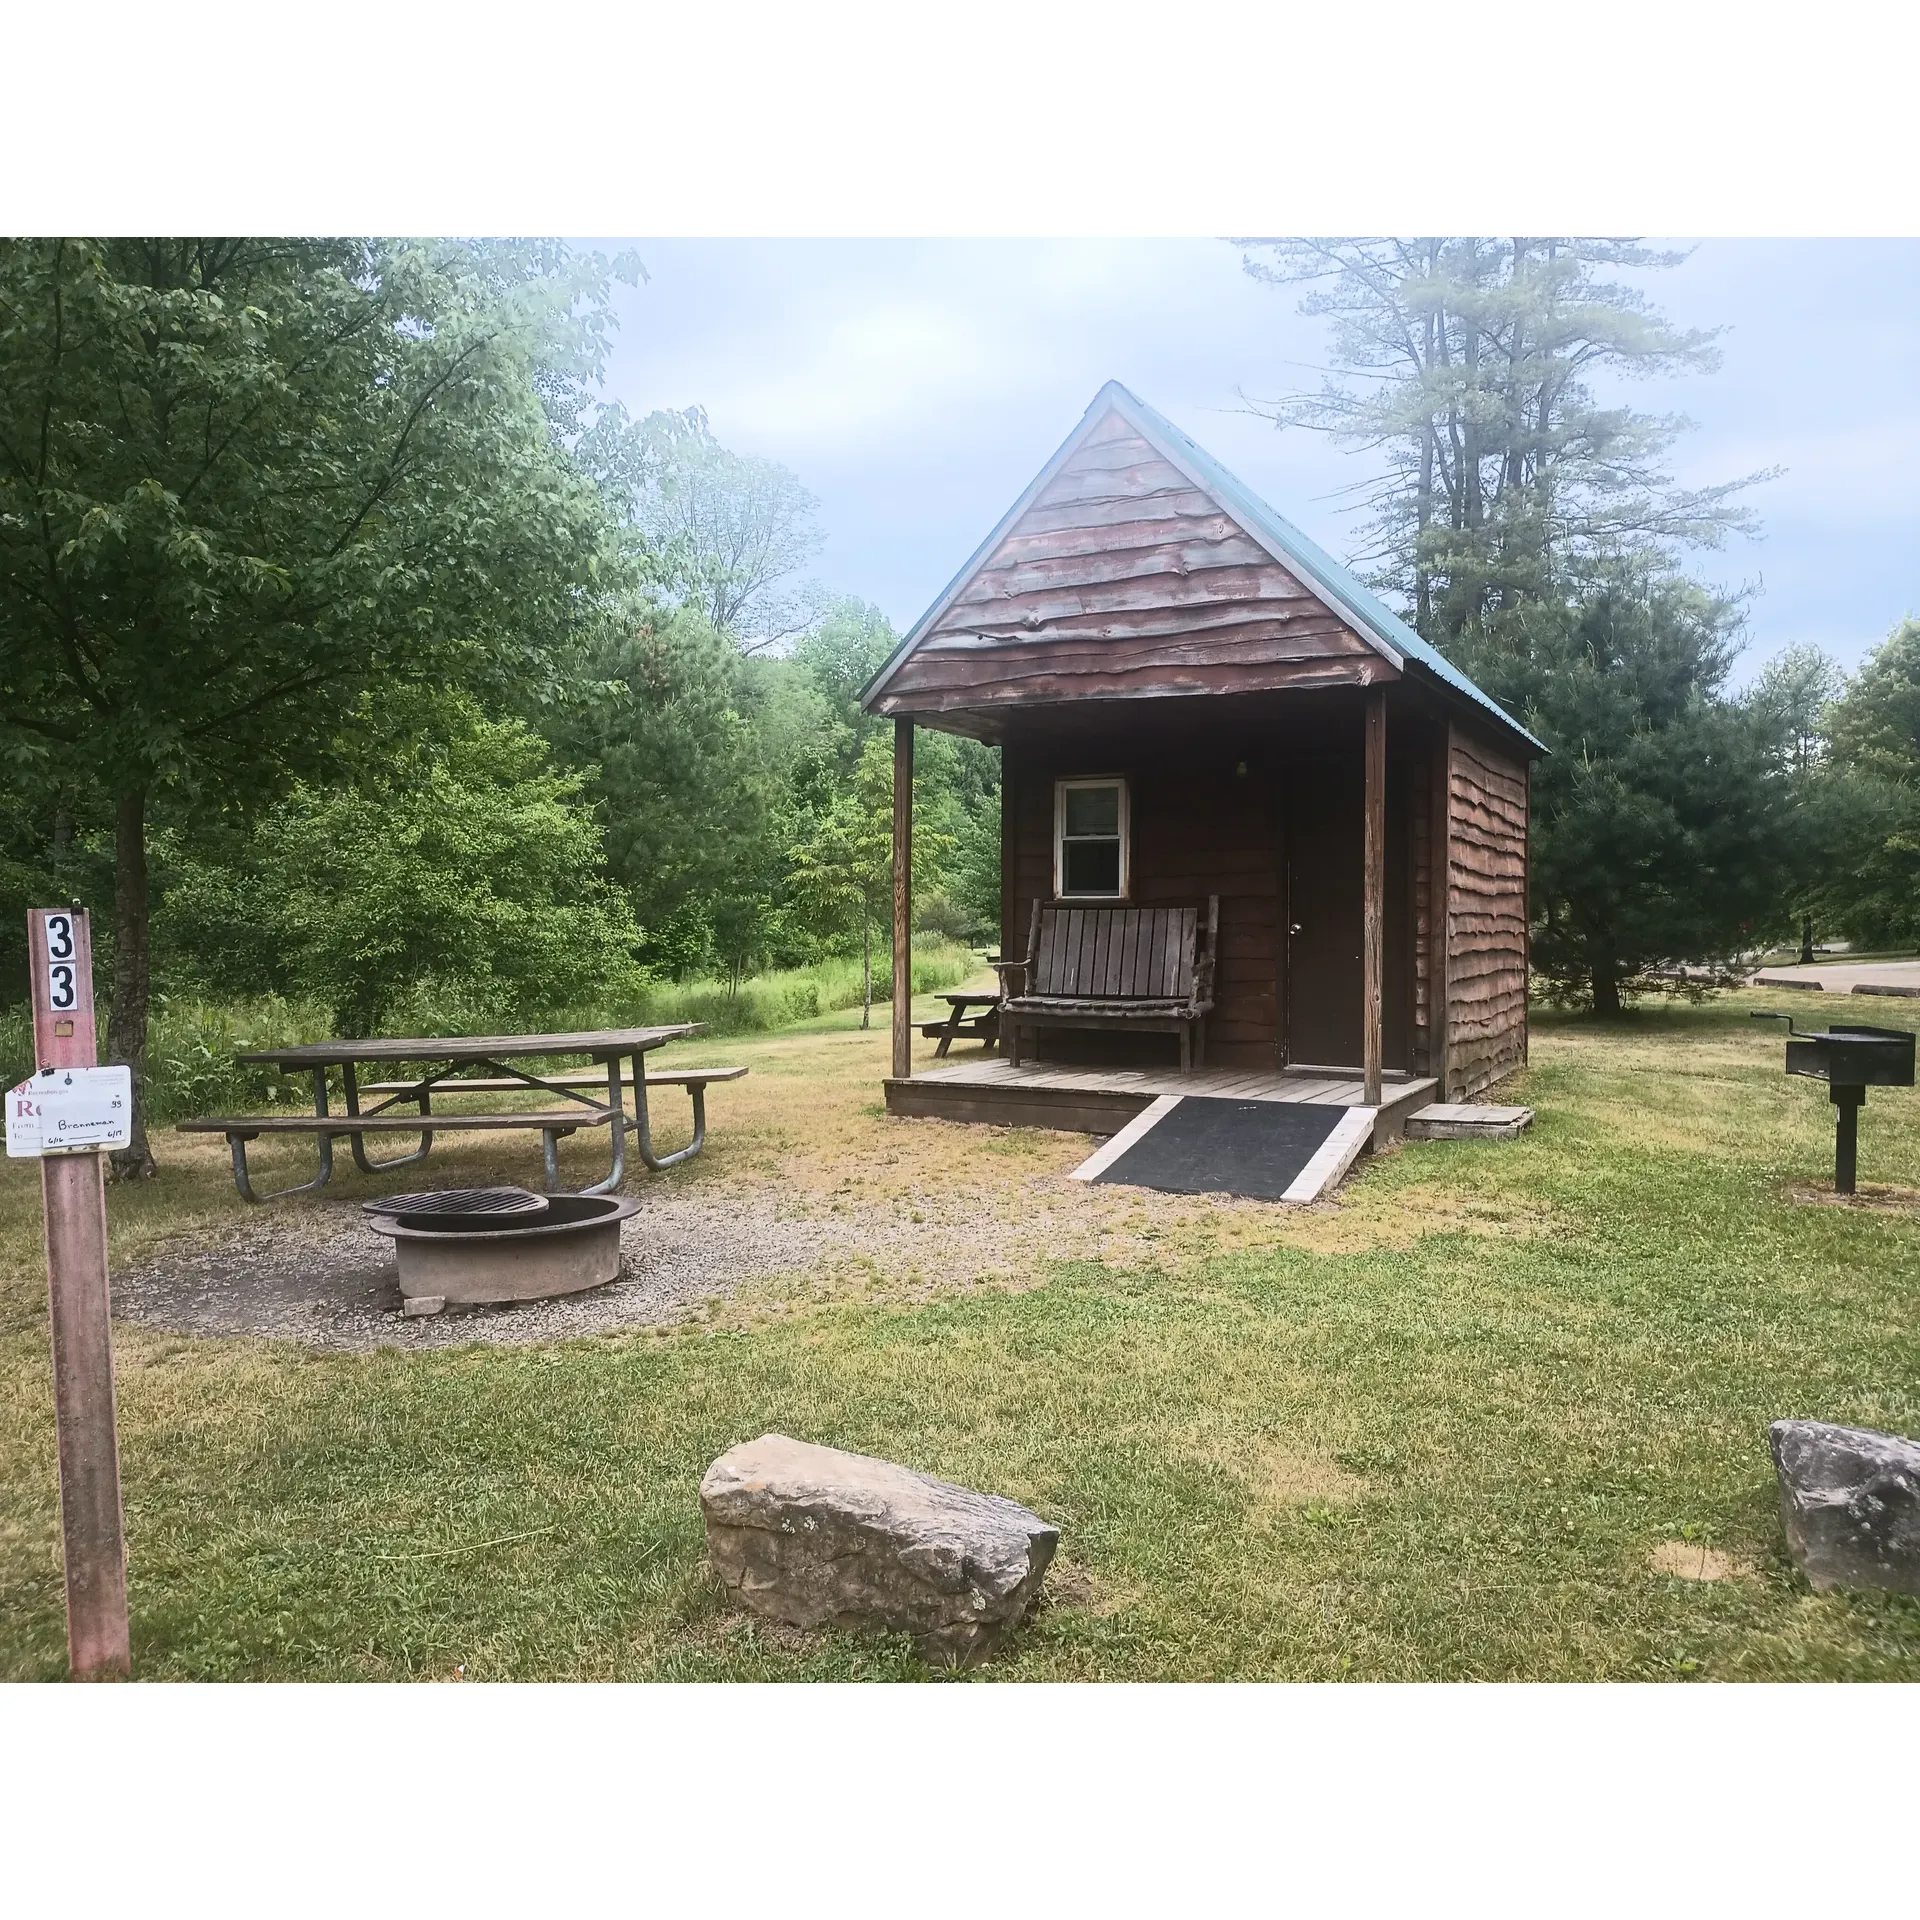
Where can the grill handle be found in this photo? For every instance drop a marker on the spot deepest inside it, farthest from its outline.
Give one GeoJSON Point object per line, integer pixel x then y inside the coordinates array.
{"type": "Point", "coordinates": [1787, 1017]}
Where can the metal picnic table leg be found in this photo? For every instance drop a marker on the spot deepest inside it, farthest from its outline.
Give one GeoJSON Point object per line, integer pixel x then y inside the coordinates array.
{"type": "Point", "coordinates": [642, 1124]}
{"type": "Point", "coordinates": [550, 1138]}
{"type": "Point", "coordinates": [237, 1143]}
{"type": "Point", "coordinates": [358, 1141]}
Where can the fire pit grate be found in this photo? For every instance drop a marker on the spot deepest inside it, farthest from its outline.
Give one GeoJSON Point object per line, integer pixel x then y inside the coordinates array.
{"type": "Point", "coordinates": [512, 1202]}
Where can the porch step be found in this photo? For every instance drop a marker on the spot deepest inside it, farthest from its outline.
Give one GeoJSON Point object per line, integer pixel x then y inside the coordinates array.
{"type": "Point", "coordinates": [1446, 1121]}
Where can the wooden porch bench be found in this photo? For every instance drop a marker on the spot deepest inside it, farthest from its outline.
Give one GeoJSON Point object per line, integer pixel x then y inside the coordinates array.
{"type": "Point", "coordinates": [1138, 968]}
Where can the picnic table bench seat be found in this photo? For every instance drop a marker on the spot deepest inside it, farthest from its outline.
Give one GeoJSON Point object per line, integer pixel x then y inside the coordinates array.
{"type": "Point", "coordinates": [1143, 968]}
{"type": "Point", "coordinates": [667, 1077]}
{"type": "Point", "coordinates": [340, 1124]}
{"type": "Point", "coordinates": [555, 1124]}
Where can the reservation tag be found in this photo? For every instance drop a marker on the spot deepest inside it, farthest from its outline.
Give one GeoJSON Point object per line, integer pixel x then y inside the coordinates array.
{"type": "Point", "coordinates": [82, 1109]}
{"type": "Point", "coordinates": [23, 1122]}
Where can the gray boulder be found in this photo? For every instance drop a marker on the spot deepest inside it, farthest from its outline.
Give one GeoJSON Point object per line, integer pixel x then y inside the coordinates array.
{"type": "Point", "coordinates": [818, 1538]}
{"type": "Point", "coordinates": [1850, 1501]}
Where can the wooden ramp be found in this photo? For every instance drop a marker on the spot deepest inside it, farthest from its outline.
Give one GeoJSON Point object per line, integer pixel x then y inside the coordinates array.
{"type": "Point", "coordinates": [1102, 1100]}
{"type": "Point", "coordinates": [1291, 1150]}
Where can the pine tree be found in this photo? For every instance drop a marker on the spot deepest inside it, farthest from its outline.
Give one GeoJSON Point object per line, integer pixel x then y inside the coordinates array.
{"type": "Point", "coordinates": [1469, 366]}
{"type": "Point", "coordinates": [1662, 820]}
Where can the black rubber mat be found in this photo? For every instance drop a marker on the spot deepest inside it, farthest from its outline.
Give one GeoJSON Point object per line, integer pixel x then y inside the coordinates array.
{"type": "Point", "coordinates": [1254, 1148]}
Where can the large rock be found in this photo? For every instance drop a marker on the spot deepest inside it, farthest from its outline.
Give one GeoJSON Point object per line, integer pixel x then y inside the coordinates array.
{"type": "Point", "coordinates": [1850, 1500]}
{"type": "Point", "coordinates": [818, 1538]}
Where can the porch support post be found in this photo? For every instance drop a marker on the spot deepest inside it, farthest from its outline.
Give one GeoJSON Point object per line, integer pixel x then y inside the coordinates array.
{"type": "Point", "coordinates": [1374, 897]}
{"type": "Point", "coordinates": [903, 899]}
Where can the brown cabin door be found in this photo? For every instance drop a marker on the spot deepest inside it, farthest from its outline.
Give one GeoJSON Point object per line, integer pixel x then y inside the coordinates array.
{"type": "Point", "coordinates": [1324, 859]}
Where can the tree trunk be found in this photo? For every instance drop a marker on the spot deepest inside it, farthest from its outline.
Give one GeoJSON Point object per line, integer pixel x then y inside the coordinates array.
{"type": "Point", "coordinates": [127, 1023]}
{"type": "Point", "coordinates": [866, 971]}
{"type": "Point", "coordinates": [1606, 988]}
{"type": "Point", "coordinates": [1806, 941]}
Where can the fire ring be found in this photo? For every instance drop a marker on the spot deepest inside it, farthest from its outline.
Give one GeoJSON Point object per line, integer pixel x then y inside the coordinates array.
{"type": "Point", "coordinates": [473, 1260]}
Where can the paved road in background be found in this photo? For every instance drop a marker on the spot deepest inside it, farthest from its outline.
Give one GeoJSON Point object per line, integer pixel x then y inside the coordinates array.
{"type": "Point", "coordinates": [1843, 976]}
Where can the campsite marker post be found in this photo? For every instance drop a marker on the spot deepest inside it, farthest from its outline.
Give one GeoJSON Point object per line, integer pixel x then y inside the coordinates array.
{"type": "Point", "coordinates": [73, 1190]}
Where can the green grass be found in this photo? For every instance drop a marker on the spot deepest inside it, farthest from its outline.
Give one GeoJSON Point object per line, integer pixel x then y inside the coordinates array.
{"type": "Point", "coordinates": [1436, 1433]}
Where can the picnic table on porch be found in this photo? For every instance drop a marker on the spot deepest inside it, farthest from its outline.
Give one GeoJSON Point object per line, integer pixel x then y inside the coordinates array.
{"type": "Point", "coordinates": [443, 1058]}
{"type": "Point", "coordinates": [984, 1026]}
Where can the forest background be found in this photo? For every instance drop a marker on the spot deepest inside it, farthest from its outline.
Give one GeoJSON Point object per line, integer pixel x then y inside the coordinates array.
{"type": "Point", "coordinates": [367, 670]}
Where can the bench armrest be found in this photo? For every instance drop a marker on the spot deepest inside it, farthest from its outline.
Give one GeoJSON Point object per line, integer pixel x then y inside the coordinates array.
{"type": "Point", "coordinates": [1202, 994]}
{"type": "Point", "coordinates": [1015, 975]}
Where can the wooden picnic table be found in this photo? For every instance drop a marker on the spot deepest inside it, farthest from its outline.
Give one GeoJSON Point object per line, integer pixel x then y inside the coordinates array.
{"type": "Point", "coordinates": [986, 1026]}
{"type": "Point", "coordinates": [445, 1056]}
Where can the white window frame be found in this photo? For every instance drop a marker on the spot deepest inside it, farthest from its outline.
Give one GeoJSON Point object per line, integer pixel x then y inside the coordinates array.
{"type": "Point", "coordinates": [1061, 788]}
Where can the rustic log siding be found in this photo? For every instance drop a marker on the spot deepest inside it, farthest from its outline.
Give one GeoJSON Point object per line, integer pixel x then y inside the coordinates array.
{"type": "Point", "coordinates": [1486, 915]}
{"type": "Point", "coordinates": [1122, 580]}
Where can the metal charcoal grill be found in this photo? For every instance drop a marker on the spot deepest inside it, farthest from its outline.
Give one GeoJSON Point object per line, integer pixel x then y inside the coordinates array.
{"type": "Point", "coordinates": [1849, 1059]}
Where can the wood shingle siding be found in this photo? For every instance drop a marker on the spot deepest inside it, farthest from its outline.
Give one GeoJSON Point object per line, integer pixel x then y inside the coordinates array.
{"type": "Point", "coordinates": [1420, 835]}
{"type": "Point", "coordinates": [1123, 580]}
{"type": "Point", "coordinates": [1486, 915]}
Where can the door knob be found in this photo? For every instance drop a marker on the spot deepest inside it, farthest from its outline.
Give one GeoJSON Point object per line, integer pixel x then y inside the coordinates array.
{"type": "Point", "coordinates": [1294, 927]}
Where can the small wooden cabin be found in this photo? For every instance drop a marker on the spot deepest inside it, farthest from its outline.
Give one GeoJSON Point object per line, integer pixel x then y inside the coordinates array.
{"type": "Point", "coordinates": [1194, 702]}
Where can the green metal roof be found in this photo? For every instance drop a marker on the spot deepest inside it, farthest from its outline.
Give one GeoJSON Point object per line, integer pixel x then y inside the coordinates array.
{"type": "Point", "coordinates": [1365, 609]}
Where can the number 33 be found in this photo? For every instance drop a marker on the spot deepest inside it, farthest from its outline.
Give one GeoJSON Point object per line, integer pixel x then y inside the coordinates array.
{"type": "Point", "coordinates": [60, 962]}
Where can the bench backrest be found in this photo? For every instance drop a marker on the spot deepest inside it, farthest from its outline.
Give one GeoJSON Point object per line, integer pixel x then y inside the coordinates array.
{"type": "Point", "coordinates": [1115, 953]}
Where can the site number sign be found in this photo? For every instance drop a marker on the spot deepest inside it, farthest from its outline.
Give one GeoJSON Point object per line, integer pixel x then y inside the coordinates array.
{"type": "Point", "coordinates": [63, 985]}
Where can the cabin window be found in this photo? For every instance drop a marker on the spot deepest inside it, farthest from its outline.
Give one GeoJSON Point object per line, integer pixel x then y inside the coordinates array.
{"type": "Point", "coordinates": [1091, 856]}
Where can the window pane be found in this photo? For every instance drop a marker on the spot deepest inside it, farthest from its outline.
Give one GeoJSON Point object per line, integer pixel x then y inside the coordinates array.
{"type": "Point", "coordinates": [1092, 866]}
{"type": "Point", "coordinates": [1093, 810]}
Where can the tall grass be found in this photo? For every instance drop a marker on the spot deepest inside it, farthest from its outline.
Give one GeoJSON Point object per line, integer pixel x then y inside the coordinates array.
{"type": "Point", "coordinates": [193, 1049]}
{"type": "Point", "coordinates": [769, 1001]}
{"type": "Point", "coordinates": [193, 1046]}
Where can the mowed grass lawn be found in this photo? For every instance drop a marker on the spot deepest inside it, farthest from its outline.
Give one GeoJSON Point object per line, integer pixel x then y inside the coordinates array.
{"type": "Point", "coordinates": [1464, 1424]}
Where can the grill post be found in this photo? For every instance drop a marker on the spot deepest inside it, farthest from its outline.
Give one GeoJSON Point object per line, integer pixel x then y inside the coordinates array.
{"type": "Point", "coordinates": [1847, 1103]}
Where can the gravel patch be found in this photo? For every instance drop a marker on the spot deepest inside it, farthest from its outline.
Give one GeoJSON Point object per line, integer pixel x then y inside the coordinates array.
{"type": "Point", "coordinates": [324, 1280]}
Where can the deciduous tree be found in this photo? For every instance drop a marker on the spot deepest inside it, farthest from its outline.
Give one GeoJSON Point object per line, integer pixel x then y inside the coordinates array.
{"type": "Point", "coordinates": [738, 530]}
{"type": "Point", "coordinates": [1872, 887]}
{"type": "Point", "coordinates": [242, 482]}
{"type": "Point", "coordinates": [461, 871]}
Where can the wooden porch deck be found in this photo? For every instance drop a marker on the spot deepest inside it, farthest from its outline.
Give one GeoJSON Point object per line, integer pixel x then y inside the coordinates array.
{"type": "Point", "coordinates": [1103, 1099]}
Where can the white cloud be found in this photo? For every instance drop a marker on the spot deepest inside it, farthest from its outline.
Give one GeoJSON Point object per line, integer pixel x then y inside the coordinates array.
{"type": "Point", "coordinates": [917, 385]}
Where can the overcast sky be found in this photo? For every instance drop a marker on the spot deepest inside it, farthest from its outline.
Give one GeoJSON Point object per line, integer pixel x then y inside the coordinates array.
{"type": "Point", "coordinates": [916, 387]}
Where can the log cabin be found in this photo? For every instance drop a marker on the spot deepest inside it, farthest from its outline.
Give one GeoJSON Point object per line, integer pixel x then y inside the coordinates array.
{"type": "Point", "coordinates": [1198, 709]}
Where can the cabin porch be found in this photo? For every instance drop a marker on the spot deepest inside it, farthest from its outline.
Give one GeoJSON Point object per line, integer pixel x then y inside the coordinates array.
{"type": "Point", "coordinates": [1102, 1099]}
